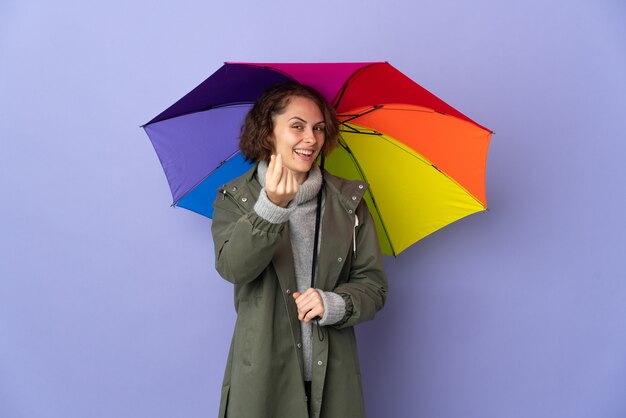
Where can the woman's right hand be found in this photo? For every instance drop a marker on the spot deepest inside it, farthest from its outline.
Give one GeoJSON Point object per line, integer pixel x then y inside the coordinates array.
{"type": "Point", "coordinates": [281, 185]}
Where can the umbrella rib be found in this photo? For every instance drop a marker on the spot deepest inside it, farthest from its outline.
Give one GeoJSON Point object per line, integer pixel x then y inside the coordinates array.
{"type": "Point", "coordinates": [204, 109]}
{"type": "Point", "coordinates": [358, 167]}
{"type": "Point", "coordinates": [353, 116]}
{"type": "Point", "coordinates": [352, 129]}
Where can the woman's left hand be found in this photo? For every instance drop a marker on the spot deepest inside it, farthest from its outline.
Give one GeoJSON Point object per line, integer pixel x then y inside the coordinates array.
{"type": "Point", "coordinates": [310, 304]}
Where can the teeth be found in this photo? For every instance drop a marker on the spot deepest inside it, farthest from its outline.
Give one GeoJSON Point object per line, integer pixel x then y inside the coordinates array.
{"type": "Point", "coordinates": [303, 152]}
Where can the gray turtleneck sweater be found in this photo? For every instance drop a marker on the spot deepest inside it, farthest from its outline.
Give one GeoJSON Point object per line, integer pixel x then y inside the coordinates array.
{"type": "Point", "coordinates": [300, 213]}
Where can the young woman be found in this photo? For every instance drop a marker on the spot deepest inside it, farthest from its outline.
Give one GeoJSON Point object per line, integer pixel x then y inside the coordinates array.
{"type": "Point", "coordinates": [293, 353]}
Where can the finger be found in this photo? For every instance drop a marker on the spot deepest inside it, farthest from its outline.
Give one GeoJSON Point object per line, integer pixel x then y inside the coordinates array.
{"type": "Point", "coordinates": [307, 296]}
{"type": "Point", "coordinates": [312, 294]}
{"type": "Point", "coordinates": [296, 295]}
{"type": "Point", "coordinates": [284, 181]}
{"type": "Point", "coordinates": [317, 306]}
{"type": "Point", "coordinates": [293, 183]}
{"type": "Point", "coordinates": [312, 314]}
{"type": "Point", "coordinates": [269, 175]}
{"type": "Point", "coordinates": [301, 313]}
{"type": "Point", "coordinates": [288, 181]}
{"type": "Point", "coordinates": [278, 169]}
{"type": "Point", "coordinates": [302, 296]}
{"type": "Point", "coordinates": [306, 304]}
{"type": "Point", "coordinates": [311, 291]}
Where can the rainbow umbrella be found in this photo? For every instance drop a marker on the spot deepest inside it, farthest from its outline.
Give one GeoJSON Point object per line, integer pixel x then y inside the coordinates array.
{"type": "Point", "coordinates": [424, 160]}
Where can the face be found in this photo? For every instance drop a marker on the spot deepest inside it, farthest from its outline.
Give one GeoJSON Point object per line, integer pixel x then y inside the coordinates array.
{"type": "Point", "coordinates": [299, 135]}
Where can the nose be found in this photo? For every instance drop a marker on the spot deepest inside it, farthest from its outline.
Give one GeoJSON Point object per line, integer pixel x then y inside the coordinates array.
{"type": "Point", "coordinates": [309, 136]}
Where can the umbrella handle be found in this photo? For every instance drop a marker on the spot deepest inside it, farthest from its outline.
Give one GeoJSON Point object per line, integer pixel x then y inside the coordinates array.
{"type": "Point", "coordinates": [356, 223]}
{"type": "Point", "coordinates": [318, 216]}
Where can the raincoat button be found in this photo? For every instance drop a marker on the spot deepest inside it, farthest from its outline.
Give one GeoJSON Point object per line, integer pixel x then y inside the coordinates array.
{"type": "Point", "coordinates": [319, 363]}
{"type": "Point", "coordinates": [340, 259]}
{"type": "Point", "coordinates": [234, 189]}
{"type": "Point", "coordinates": [244, 199]}
{"type": "Point", "coordinates": [361, 186]}
{"type": "Point", "coordinates": [288, 291]}
{"type": "Point", "coordinates": [299, 345]}
{"type": "Point", "coordinates": [353, 197]}
{"type": "Point", "coordinates": [350, 211]}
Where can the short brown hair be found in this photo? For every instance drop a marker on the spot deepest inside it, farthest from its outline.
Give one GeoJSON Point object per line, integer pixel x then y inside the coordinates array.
{"type": "Point", "coordinates": [255, 140]}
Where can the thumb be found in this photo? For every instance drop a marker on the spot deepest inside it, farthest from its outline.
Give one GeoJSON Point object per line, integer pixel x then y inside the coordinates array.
{"type": "Point", "coordinates": [296, 295]}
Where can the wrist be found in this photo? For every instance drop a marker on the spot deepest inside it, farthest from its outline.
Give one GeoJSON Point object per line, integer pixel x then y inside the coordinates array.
{"type": "Point", "coordinates": [279, 202]}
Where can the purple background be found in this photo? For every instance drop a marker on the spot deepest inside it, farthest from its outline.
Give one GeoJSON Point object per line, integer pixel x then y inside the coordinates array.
{"type": "Point", "coordinates": [109, 303]}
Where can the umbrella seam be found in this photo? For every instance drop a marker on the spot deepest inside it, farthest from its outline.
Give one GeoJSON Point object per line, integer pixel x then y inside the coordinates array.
{"type": "Point", "coordinates": [356, 163]}
{"type": "Point", "coordinates": [341, 93]}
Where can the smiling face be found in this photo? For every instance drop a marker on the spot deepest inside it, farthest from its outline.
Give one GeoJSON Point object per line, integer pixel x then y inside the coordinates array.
{"type": "Point", "coordinates": [298, 135]}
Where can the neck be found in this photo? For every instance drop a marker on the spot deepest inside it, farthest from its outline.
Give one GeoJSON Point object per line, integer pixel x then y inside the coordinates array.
{"type": "Point", "coordinates": [301, 177]}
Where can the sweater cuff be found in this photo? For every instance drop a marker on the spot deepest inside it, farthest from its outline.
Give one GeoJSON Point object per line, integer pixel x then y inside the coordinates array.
{"type": "Point", "coordinates": [334, 308]}
{"type": "Point", "coordinates": [271, 212]}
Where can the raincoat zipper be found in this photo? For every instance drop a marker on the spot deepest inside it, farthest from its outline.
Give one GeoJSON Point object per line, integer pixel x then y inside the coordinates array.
{"type": "Point", "coordinates": [356, 223]}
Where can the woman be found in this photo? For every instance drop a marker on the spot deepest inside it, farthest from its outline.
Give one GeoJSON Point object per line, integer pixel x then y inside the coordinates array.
{"type": "Point", "coordinates": [293, 352]}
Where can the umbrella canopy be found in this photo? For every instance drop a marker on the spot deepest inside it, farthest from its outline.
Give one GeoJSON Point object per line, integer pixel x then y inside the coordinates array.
{"type": "Point", "coordinates": [424, 160]}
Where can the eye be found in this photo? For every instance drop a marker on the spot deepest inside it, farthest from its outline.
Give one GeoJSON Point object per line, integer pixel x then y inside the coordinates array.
{"type": "Point", "coordinates": [297, 126]}
{"type": "Point", "coordinates": [319, 128]}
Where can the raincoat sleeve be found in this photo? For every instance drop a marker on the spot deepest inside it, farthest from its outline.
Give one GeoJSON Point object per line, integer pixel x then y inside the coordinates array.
{"type": "Point", "coordinates": [244, 242]}
{"type": "Point", "coordinates": [365, 291]}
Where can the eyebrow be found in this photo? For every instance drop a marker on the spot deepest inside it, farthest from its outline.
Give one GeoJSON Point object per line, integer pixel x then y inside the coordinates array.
{"type": "Point", "coordinates": [302, 120]}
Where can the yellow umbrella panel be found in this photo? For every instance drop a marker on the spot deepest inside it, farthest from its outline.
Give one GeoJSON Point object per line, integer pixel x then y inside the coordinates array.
{"type": "Point", "coordinates": [408, 197]}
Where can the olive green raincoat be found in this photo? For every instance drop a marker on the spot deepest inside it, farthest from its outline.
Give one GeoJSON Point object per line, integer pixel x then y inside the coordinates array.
{"type": "Point", "coordinates": [264, 372]}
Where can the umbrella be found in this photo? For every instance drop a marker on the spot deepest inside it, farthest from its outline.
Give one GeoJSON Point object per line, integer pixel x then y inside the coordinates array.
{"type": "Point", "coordinates": [424, 160]}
